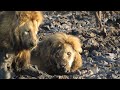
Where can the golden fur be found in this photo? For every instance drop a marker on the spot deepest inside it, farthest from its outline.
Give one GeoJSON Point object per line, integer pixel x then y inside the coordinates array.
{"type": "Point", "coordinates": [18, 34]}
{"type": "Point", "coordinates": [59, 54]}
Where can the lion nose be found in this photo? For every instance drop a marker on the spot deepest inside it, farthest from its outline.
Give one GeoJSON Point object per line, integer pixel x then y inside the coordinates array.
{"type": "Point", "coordinates": [62, 66]}
{"type": "Point", "coordinates": [63, 69]}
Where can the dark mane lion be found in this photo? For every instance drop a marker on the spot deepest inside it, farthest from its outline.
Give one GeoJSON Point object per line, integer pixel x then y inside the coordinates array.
{"type": "Point", "coordinates": [59, 53]}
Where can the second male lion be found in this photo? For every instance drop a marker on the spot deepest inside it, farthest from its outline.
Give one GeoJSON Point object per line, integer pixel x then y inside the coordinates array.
{"type": "Point", "coordinates": [59, 54]}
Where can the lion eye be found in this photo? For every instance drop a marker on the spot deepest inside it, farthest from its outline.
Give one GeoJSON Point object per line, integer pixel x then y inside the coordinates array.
{"type": "Point", "coordinates": [69, 53]}
{"type": "Point", "coordinates": [26, 32]}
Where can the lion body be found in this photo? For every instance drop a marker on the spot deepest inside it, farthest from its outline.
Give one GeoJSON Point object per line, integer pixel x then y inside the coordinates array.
{"type": "Point", "coordinates": [18, 34]}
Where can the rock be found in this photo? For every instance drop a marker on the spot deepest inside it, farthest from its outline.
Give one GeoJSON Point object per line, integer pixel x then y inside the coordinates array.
{"type": "Point", "coordinates": [93, 42]}
{"type": "Point", "coordinates": [95, 69]}
{"type": "Point", "coordinates": [86, 52]}
{"type": "Point", "coordinates": [105, 63]}
{"type": "Point", "coordinates": [92, 35]}
{"type": "Point", "coordinates": [110, 56]}
{"type": "Point", "coordinates": [89, 59]}
{"type": "Point", "coordinates": [95, 53]}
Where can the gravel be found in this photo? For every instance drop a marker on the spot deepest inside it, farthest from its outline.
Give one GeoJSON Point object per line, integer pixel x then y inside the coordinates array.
{"type": "Point", "coordinates": [101, 48]}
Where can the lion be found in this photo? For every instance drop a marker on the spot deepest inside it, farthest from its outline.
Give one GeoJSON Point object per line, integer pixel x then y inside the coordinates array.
{"type": "Point", "coordinates": [18, 35]}
{"type": "Point", "coordinates": [58, 54]}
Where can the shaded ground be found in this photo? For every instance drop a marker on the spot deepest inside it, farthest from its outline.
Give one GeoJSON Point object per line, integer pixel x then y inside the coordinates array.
{"type": "Point", "coordinates": [101, 48]}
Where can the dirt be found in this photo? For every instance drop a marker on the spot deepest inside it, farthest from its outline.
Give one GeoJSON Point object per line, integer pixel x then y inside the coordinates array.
{"type": "Point", "coordinates": [101, 47]}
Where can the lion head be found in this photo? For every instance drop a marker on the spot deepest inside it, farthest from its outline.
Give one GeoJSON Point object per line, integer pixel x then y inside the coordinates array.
{"type": "Point", "coordinates": [59, 54]}
{"type": "Point", "coordinates": [25, 29]}
{"type": "Point", "coordinates": [64, 51]}
{"type": "Point", "coordinates": [63, 57]}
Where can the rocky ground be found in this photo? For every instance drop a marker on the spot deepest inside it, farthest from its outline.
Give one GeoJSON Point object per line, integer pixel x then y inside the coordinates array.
{"type": "Point", "coordinates": [101, 47]}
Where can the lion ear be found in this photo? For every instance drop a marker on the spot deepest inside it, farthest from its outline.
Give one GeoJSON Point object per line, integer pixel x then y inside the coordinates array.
{"type": "Point", "coordinates": [17, 14]}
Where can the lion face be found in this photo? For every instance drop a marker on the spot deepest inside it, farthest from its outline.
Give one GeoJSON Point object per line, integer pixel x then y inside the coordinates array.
{"type": "Point", "coordinates": [64, 58]}
{"type": "Point", "coordinates": [26, 30]}
{"type": "Point", "coordinates": [28, 34]}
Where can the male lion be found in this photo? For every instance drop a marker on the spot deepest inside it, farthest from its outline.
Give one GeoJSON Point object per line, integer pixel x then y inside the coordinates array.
{"type": "Point", "coordinates": [59, 54]}
{"type": "Point", "coordinates": [18, 35]}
